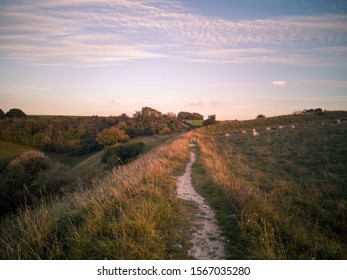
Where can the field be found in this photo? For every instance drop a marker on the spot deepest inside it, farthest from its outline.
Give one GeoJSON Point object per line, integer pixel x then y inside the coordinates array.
{"type": "Point", "coordinates": [282, 194]}
{"type": "Point", "coordinates": [9, 151]}
{"type": "Point", "coordinates": [196, 123]}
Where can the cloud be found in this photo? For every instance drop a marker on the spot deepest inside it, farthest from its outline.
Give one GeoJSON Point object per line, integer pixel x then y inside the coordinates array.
{"type": "Point", "coordinates": [279, 83]}
{"type": "Point", "coordinates": [103, 32]}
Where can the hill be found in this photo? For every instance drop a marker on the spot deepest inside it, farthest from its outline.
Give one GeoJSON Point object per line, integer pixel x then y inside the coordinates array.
{"type": "Point", "coordinates": [279, 195]}
{"type": "Point", "coordinates": [131, 214]}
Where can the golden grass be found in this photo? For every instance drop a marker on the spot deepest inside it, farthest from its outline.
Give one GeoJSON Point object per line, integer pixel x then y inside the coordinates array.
{"type": "Point", "coordinates": [132, 214]}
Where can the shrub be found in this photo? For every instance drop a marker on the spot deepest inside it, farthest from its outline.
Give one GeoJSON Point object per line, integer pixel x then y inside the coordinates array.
{"type": "Point", "coordinates": [17, 186]}
{"type": "Point", "coordinates": [122, 153]}
{"type": "Point", "coordinates": [210, 120]}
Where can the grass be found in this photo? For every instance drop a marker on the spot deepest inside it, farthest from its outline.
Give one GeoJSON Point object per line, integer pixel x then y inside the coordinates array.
{"type": "Point", "coordinates": [280, 195]}
{"type": "Point", "coordinates": [195, 123]}
{"type": "Point", "coordinates": [132, 214]}
{"type": "Point", "coordinates": [9, 151]}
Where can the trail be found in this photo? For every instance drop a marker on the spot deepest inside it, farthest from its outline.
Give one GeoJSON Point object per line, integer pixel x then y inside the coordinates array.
{"type": "Point", "coordinates": [207, 241]}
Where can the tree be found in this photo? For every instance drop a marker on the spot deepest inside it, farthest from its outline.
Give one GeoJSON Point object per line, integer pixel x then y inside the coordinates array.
{"type": "Point", "coordinates": [2, 114]}
{"type": "Point", "coordinates": [111, 136]}
{"type": "Point", "coordinates": [210, 120]}
{"type": "Point", "coordinates": [261, 116]}
{"type": "Point", "coordinates": [16, 113]}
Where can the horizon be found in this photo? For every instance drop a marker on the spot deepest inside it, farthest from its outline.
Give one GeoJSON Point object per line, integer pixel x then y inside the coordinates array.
{"type": "Point", "coordinates": [235, 59]}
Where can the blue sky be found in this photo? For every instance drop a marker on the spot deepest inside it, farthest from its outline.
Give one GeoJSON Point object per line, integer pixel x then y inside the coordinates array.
{"type": "Point", "coordinates": [235, 59]}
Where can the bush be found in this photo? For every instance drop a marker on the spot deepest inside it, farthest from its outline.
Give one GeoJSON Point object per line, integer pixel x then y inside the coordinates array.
{"type": "Point", "coordinates": [122, 153]}
{"type": "Point", "coordinates": [17, 182]}
{"type": "Point", "coordinates": [210, 120]}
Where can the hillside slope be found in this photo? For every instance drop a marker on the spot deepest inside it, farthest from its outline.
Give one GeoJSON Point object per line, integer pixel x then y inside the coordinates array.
{"type": "Point", "coordinates": [282, 194]}
{"type": "Point", "coordinates": [132, 214]}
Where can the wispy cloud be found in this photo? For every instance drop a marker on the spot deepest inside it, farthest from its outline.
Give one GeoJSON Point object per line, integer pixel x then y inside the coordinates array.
{"type": "Point", "coordinates": [31, 88]}
{"type": "Point", "coordinates": [102, 32]}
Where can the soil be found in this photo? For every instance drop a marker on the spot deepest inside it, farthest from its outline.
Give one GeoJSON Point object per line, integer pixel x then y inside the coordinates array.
{"type": "Point", "coordinates": [206, 239]}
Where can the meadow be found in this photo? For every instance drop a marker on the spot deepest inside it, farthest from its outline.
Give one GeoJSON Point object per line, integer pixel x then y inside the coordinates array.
{"type": "Point", "coordinates": [282, 194]}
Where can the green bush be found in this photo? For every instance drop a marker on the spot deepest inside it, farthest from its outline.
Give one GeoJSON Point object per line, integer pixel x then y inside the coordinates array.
{"type": "Point", "coordinates": [2, 114]}
{"type": "Point", "coordinates": [122, 153]}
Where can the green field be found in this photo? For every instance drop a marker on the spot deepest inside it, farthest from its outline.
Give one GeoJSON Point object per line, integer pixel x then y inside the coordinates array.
{"type": "Point", "coordinates": [196, 123]}
{"type": "Point", "coordinates": [9, 151]}
{"type": "Point", "coordinates": [282, 194]}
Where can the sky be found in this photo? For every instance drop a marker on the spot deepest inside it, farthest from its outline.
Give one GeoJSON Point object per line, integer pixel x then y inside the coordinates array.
{"type": "Point", "coordinates": [233, 58]}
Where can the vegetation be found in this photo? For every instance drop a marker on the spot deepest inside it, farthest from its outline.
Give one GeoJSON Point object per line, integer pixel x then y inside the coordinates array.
{"type": "Point", "coordinates": [111, 136]}
{"type": "Point", "coordinates": [280, 195]}
{"type": "Point", "coordinates": [130, 215]}
{"type": "Point", "coordinates": [189, 116]}
{"type": "Point", "coordinates": [194, 123]}
{"type": "Point", "coordinates": [18, 181]}
{"type": "Point", "coordinates": [261, 116]}
{"type": "Point", "coordinates": [210, 120]}
{"type": "Point", "coordinates": [8, 152]}
{"type": "Point", "coordinates": [2, 114]}
{"type": "Point", "coordinates": [15, 113]}
{"type": "Point", "coordinates": [78, 135]}
{"type": "Point", "coordinates": [122, 153]}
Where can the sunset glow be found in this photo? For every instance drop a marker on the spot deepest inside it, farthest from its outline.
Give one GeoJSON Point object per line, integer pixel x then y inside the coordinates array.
{"type": "Point", "coordinates": [235, 59]}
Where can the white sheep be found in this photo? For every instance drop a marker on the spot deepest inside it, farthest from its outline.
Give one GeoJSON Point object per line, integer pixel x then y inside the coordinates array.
{"type": "Point", "coordinates": [280, 127]}
{"type": "Point", "coordinates": [255, 133]}
{"type": "Point", "coordinates": [292, 126]}
{"type": "Point", "coordinates": [244, 132]}
{"type": "Point", "coordinates": [338, 121]}
{"type": "Point", "coordinates": [227, 135]}
{"type": "Point", "coordinates": [268, 129]}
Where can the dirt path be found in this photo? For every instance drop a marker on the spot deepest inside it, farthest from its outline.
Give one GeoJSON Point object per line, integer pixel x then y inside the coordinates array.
{"type": "Point", "coordinates": [207, 241]}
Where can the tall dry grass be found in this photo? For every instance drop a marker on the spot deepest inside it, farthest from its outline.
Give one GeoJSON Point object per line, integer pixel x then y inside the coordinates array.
{"type": "Point", "coordinates": [132, 214]}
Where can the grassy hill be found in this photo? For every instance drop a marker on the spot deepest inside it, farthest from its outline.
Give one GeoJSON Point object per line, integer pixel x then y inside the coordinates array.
{"type": "Point", "coordinates": [131, 214]}
{"type": "Point", "coordinates": [282, 194]}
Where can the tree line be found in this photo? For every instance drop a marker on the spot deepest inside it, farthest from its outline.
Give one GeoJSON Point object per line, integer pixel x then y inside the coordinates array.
{"type": "Point", "coordinates": [83, 135]}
